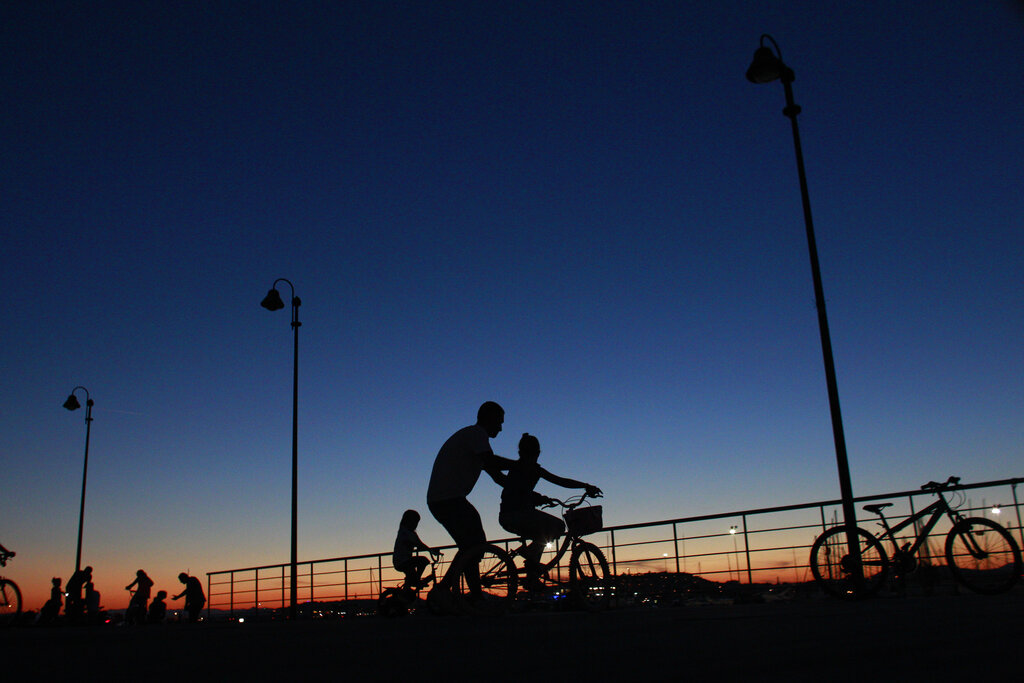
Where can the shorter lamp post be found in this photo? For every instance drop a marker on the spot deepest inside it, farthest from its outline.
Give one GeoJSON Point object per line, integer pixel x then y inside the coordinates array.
{"type": "Point", "coordinates": [72, 404]}
{"type": "Point", "coordinates": [272, 302]}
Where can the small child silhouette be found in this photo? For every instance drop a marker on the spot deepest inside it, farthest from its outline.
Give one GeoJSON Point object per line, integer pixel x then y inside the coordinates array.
{"type": "Point", "coordinates": [406, 543]}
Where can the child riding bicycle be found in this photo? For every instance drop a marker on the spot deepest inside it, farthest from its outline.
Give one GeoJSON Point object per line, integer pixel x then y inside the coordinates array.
{"type": "Point", "coordinates": [406, 543]}
{"type": "Point", "coordinates": [519, 514]}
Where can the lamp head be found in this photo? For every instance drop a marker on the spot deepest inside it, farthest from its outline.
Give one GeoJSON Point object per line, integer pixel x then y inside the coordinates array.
{"type": "Point", "coordinates": [72, 403]}
{"type": "Point", "coordinates": [272, 301]}
{"type": "Point", "coordinates": [767, 67]}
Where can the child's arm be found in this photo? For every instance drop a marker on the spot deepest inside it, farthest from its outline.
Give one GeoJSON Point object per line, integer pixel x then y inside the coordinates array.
{"type": "Point", "coordinates": [569, 483]}
{"type": "Point", "coordinates": [420, 545]}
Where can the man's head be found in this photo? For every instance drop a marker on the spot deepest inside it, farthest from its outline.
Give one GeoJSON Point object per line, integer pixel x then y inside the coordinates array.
{"type": "Point", "coordinates": [183, 577]}
{"type": "Point", "coordinates": [491, 416]}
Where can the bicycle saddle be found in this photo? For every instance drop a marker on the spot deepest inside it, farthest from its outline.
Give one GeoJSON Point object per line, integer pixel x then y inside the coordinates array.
{"type": "Point", "coordinates": [877, 509]}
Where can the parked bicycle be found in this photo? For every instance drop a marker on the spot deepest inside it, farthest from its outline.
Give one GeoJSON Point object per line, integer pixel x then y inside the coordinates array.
{"type": "Point", "coordinates": [10, 594]}
{"type": "Point", "coordinates": [980, 554]}
{"type": "Point", "coordinates": [397, 601]}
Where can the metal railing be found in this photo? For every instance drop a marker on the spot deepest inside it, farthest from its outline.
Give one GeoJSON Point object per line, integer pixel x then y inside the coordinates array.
{"type": "Point", "coordinates": [766, 545]}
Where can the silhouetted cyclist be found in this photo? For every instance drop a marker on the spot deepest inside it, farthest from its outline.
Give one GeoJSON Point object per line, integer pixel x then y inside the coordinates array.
{"type": "Point", "coordinates": [519, 501]}
{"type": "Point", "coordinates": [456, 470]}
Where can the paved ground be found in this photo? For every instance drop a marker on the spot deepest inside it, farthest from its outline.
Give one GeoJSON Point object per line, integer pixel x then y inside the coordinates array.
{"type": "Point", "coordinates": [954, 637]}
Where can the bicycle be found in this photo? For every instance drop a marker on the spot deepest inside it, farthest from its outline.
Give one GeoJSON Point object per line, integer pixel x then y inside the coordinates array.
{"type": "Point", "coordinates": [10, 594]}
{"type": "Point", "coordinates": [980, 554]}
{"type": "Point", "coordinates": [397, 601]}
{"type": "Point", "coordinates": [589, 584]}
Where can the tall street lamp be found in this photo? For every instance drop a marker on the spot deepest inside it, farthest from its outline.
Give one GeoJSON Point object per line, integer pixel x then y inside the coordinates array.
{"type": "Point", "coordinates": [768, 66]}
{"type": "Point", "coordinates": [272, 302]}
{"type": "Point", "coordinates": [73, 404]}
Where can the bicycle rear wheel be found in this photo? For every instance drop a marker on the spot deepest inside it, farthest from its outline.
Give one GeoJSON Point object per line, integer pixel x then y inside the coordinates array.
{"type": "Point", "coordinates": [832, 565]}
{"type": "Point", "coordinates": [588, 577]}
{"type": "Point", "coordinates": [391, 603]}
{"type": "Point", "coordinates": [983, 556]}
{"type": "Point", "coordinates": [10, 602]}
{"type": "Point", "coordinates": [497, 583]}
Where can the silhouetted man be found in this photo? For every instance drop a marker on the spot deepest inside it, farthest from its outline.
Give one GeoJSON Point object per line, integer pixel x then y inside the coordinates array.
{"type": "Point", "coordinates": [457, 468]}
{"type": "Point", "coordinates": [74, 606]}
{"type": "Point", "coordinates": [194, 596]}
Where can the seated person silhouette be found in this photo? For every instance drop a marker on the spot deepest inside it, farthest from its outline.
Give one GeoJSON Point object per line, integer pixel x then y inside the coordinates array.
{"type": "Point", "coordinates": [406, 543]}
{"type": "Point", "coordinates": [158, 608]}
{"type": "Point", "coordinates": [518, 513]}
{"type": "Point", "coordinates": [52, 607]}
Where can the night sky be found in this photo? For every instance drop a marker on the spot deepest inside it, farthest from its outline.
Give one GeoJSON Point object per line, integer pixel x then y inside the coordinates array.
{"type": "Point", "coordinates": [581, 210]}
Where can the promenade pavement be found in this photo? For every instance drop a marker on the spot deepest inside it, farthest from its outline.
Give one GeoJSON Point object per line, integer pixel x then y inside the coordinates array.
{"type": "Point", "coordinates": [950, 637]}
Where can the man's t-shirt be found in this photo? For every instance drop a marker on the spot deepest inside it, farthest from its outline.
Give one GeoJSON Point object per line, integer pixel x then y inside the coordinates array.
{"type": "Point", "coordinates": [458, 464]}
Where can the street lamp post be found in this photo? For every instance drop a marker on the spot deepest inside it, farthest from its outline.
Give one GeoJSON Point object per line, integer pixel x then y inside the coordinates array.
{"type": "Point", "coordinates": [768, 66]}
{"type": "Point", "coordinates": [272, 302]}
{"type": "Point", "coordinates": [72, 404]}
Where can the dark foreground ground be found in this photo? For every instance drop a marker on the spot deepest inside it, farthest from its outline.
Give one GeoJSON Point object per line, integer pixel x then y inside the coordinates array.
{"type": "Point", "coordinates": [951, 637]}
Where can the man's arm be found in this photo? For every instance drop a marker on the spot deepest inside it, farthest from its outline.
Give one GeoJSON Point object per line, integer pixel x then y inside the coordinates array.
{"type": "Point", "coordinates": [493, 465]}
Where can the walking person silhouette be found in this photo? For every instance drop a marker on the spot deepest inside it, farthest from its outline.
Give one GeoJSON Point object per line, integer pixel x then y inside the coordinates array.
{"type": "Point", "coordinates": [456, 470]}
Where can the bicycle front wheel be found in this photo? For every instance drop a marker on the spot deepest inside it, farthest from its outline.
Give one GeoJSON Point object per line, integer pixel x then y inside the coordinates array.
{"type": "Point", "coordinates": [833, 568]}
{"type": "Point", "coordinates": [983, 556]}
{"type": "Point", "coordinates": [486, 580]}
{"type": "Point", "coordinates": [10, 601]}
{"type": "Point", "coordinates": [588, 577]}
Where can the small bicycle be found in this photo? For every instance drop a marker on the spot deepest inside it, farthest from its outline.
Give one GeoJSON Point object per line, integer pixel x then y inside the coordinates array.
{"type": "Point", "coordinates": [10, 595]}
{"type": "Point", "coordinates": [980, 554]}
{"type": "Point", "coordinates": [397, 601]}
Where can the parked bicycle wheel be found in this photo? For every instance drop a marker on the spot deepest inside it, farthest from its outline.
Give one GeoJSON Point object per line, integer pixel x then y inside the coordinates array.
{"type": "Point", "coordinates": [588, 577]}
{"type": "Point", "coordinates": [498, 581]}
{"type": "Point", "coordinates": [10, 601]}
{"type": "Point", "coordinates": [832, 566]}
{"type": "Point", "coordinates": [983, 556]}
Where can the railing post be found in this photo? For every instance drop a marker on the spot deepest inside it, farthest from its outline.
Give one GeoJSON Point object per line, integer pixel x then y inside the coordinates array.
{"type": "Point", "coordinates": [283, 603]}
{"type": "Point", "coordinates": [615, 569]}
{"type": "Point", "coordinates": [746, 550]}
{"type": "Point", "coordinates": [675, 544]}
{"type": "Point", "coordinates": [209, 605]}
{"type": "Point", "coordinates": [346, 580]}
{"type": "Point", "coordinates": [231, 599]}
{"type": "Point", "coordinates": [256, 594]}
{"type": "Point", "coordinates": [311, 589]}
{"type": "Point", "coordinates": [1016, 506]}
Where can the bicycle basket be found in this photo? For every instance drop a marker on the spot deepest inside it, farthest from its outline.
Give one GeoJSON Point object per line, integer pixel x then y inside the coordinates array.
{"type": "Point", "coordinates": [584, 520]}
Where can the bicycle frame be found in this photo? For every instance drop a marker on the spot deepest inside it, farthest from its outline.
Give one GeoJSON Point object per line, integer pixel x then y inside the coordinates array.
{"type": "Point", "coordinates": [936, 509]}
{"type": "Point", "coordinates": [569, 542]}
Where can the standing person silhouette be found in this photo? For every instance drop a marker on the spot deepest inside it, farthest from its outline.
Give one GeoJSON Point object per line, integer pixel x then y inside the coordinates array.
{"type": "Point", "coordinates": [139, 603]}
{"type": "Point", "coordinates": [194, 596]}
{"type": "Point", "coordinates": [456, 470]}
{"type": "Point", "coordinates": [74, 605]}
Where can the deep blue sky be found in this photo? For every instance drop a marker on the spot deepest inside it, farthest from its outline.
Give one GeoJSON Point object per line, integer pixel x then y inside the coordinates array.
{"type": "Point", "coordinates": [581, 210]}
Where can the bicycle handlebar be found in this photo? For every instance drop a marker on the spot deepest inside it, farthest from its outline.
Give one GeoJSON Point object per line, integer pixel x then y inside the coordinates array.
{"type": "Point", "coordinates": [936, 486]}
{"type": "Point", "coordinates": [569, 505]}
{"type": "Point", "coordinates": [4, 556]}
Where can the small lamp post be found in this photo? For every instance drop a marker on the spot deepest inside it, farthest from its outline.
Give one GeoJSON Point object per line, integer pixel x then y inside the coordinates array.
{"type": "Point", "coordinates": [72, 404]}
{"type": "Point", "coordinates": [272, 302]}
{"type": "Point", "coordinates": [767, 66]}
